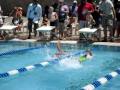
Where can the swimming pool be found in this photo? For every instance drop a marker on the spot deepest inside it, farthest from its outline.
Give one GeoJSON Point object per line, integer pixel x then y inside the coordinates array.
{"type": "Point", "coordinates": [68, 74]}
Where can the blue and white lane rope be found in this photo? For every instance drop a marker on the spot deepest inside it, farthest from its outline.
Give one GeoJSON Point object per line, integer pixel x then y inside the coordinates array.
{"type": "Point", "coordinates": [31, 67]}
{"type": "Point", "coordinates": [20, 50]}
{"type": "Point", "coordinates": [102, 80]}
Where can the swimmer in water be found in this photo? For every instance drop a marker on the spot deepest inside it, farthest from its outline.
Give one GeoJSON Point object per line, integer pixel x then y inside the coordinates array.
{"type": "Point", "coordinates": [60, 51]}
{"type": "Point", "coordinates": [87, 56]}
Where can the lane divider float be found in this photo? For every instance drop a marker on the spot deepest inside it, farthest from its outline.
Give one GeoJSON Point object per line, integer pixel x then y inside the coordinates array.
{"type": "Point", "coordinates": [102, 80]}
{"type": "Point", "coordinates": [42, 64]}
{"type": "Point", "coordinates": [20, 50]}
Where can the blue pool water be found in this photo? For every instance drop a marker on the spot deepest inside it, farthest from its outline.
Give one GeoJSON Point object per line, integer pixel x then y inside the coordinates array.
{"type": "Point", "coordinates": [7, 46]}
{"type": "Point", "coordinates": [68, 74]}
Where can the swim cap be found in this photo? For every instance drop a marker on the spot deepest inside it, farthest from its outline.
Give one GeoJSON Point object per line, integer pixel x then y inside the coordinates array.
{"type": "Point", "coordinates": [82, 58]}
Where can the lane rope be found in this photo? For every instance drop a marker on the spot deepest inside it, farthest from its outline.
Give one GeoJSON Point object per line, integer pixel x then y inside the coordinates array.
{"type": "Point", "coordinates": [102, 80]}
{"type": "Point", "coordinates": [41, 64]}
{"type": "Point", "coordinates": [20, 50]}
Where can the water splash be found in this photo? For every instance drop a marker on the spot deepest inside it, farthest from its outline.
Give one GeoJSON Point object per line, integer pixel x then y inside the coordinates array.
{"type": "Point", "coordinates": [70, 63]}
{"type": "Point", "coordinates": [48, 56]}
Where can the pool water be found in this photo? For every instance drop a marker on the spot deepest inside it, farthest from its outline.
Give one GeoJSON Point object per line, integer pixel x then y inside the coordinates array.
{"type": "Point", "coordinates": [68, 74]}
{"type": "Point", "coordinates": [7, 46]}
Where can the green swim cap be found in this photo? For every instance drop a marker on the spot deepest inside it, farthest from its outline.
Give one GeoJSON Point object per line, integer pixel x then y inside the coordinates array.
{"type": "Point", "coordinates": [82, 58]}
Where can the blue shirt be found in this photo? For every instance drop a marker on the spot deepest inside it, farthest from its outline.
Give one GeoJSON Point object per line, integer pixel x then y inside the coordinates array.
{"type": "Point", "coordinates": [34, 12]}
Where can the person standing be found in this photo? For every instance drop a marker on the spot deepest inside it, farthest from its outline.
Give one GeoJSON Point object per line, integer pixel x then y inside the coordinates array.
{"type": "Point", "coordinates": [62, 16]}
{"type": "Point", "coordinates": [107, 13]}
{"type": "Point", "coordinates": [34, 14]}
{"type": "Point", "coordinates": [73, 8]}
{"type": "Point", "coordinates": [53, 17]}
{"type": "Point", "coordinates": [118, 19]}
{"type": "Point", "coordinates": [1, 20]}
{"type": "Point", "coordinates": [83, 9]}
{"type": "Point", "coordinates": [56, 5]}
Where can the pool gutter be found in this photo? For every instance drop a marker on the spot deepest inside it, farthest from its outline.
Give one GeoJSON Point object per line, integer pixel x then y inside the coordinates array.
{"type": "Point", "coordinates": [106, 43]}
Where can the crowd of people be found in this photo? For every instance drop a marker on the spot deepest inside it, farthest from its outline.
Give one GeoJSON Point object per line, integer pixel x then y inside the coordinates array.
{"type": "Point", "coordinates": [63, 16]}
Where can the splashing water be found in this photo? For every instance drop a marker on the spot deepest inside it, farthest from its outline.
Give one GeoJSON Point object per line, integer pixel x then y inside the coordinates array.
{"type": "Point", "coordinates": [70, 63]}
{"type": "Point", "coordinates": [48, 56]}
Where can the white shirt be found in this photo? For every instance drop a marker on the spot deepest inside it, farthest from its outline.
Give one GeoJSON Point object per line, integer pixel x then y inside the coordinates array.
{"type": "Point", "coordinates": [106, 7]}
{"type": "Point", "coordinates": [0, 12]}
{"type": "Point", "coordinates": [1, 20]}
{"type": "Point", "coordinates": [34, 12]}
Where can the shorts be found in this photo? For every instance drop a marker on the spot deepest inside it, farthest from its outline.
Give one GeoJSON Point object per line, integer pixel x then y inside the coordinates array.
{"type": "Point", "coordinates": [54, 23]}
{"type": "Point", "coordinates": [107, 21]}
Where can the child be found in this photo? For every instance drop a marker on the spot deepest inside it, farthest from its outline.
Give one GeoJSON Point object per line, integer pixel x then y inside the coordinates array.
{"type": "Point", "coordinates": [45, 21]}
{"type": "Point", "coordinates": [87, 56]}
{"type": "Point", "coordinates": [17, 20]}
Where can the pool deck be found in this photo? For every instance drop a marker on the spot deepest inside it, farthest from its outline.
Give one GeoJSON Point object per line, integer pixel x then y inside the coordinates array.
{"type": "Point", "coordinates": [22, 36]}
{"type": "Point", "coordinates": [26, 40]}
{"type": "Point", "coordinates": [107, 43]}
{"type": "Point", "coordinates": [67, 42]}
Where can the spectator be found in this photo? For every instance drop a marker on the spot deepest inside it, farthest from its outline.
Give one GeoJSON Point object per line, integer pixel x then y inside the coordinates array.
{"type": "Point", "coordinates": [1, 23]}
{"type": "Point", "coordinates": [34, 14]}
{"type": "Point", "coordinates": [83, 9]}
{"type": "Point", "coordinates": [73, 9]}
{"type": "Point", "coordinates": [17, 19]}
{"type": "Point", "coordinates": [19, 11]}
{"type": "Point", "coordinates": [90, 20]}
{"type": "Point", "coordinates": [53, 17]}
{"type": "Point", "coordinates": [71, 23]}
{"type": "Point", "coordinates": [56, 6]}
{"type": "Point", "coordinates": [108, 15]}
{"type": "Point", "coordinates": [118, 20]}
{"type": "Point", "coordinates": [1, 20]}
{"type": "Point", "coordinates": [63, 12]}
{"type": "Point", "coordinates": [96, 16]}
{"type": "Point", "coordinates": [46, 11]}
{"type": "Point", "coordinates": [45, 21]}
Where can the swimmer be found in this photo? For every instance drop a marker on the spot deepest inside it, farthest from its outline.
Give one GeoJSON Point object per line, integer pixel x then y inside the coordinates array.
{"type": "Point", "coordinates": [87, 56]}
{"type": "Point", "coordinates": [60, 51]}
